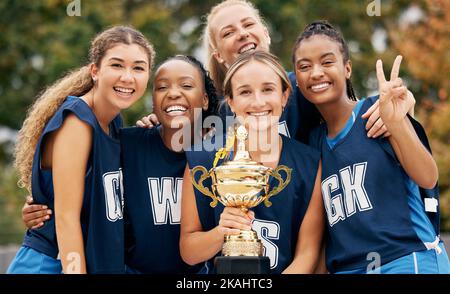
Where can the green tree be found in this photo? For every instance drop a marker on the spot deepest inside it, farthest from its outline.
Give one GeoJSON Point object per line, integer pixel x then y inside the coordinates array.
{"type": "Point", "coordinates": [40, 42]}
{"type": "Point", "coordinates": [11, 201]}
{"type": "Point", "coordinates": [426, 48]}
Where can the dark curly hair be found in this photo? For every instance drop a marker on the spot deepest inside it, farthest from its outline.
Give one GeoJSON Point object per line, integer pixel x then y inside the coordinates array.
{"type": "Point", "coordinates": [207, 81]}
{"type": "Point", "coordinates": [323, 27]}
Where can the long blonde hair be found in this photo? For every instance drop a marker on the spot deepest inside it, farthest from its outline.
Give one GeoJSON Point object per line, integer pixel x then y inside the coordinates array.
{"type": "Point", "coordinates": [75, 83]}
{"type": "Point", "coordinates": [216, 69]}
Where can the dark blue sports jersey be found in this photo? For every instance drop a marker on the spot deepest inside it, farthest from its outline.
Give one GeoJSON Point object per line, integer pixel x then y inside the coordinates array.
{"type": "Point", "coordinates": [298, 118]}
{"type": "Point", "coordinates": [101, 213]}
{"type": "Point", "coordinates": [277, 226]}
{"type": "Point", "coordinates": [152, 178]}
{"type": "Point", "coordinates": [366, 199]}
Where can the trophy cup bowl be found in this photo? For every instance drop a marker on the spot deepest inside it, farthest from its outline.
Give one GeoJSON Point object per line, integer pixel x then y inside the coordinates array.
{"type": "Point", "coordinates": [244, 184]}
{"type": "Point", "coordinates": [240, 184]}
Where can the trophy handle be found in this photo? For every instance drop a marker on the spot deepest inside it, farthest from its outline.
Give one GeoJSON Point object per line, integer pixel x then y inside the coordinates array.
{"type": "Point", "coordinates": [282, 184]}
{"type": "Point", "coordinates": [199, 185]}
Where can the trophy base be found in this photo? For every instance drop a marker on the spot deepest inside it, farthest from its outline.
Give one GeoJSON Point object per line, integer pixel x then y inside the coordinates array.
{"type": "Point", "coordinates": [242, 265]}
{"type": "Point", "coordinates": [244, 244]}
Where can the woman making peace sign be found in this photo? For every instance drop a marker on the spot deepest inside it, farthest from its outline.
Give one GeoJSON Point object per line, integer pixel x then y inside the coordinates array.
{"type": "Point", "coordinates": [377, 220]}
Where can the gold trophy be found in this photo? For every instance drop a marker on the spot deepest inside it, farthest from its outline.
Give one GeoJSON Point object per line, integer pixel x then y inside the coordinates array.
{"type": "Point", "coordinates": [241, 183]}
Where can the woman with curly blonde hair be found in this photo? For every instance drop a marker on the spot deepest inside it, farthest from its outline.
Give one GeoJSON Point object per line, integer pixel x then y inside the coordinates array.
{"type": "Point", "coordinates": [74, 169]}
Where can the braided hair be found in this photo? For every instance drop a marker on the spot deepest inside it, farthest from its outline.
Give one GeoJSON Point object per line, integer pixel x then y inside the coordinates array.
{"type": "Point", "coordinates": [210, 90]}
{"type": "Point", "coordinates": [322, 27]}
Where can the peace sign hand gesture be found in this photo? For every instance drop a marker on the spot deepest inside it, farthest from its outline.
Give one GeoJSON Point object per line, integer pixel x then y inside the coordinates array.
{"type": "Point", "coordinates": [395, 100]}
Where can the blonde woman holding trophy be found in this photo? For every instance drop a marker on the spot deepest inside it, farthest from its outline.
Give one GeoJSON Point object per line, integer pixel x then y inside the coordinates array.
{"type": "Point", "coordinates": [257, 88]}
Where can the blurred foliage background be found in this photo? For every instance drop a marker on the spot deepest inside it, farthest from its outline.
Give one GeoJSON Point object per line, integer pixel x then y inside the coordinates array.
{"type": "Point", "coordinates": [40, 42]}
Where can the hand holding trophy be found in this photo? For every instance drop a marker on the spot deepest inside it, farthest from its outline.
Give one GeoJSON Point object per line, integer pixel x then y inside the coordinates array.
{"type": "Point", "coordinates": [241, 183]}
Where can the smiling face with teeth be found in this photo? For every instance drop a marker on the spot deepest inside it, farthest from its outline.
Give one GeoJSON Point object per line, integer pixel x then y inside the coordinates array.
{"type": "Point", "coordinates": [177, 91]}
{"type": "Point", "coordinates": [235, 30]}
{"type": "Point", "coordinates": [122, 77]}
{"type": "Point", "coordinates": [320, 70]}
{"type": "Point", "coordinates": [257, 95]}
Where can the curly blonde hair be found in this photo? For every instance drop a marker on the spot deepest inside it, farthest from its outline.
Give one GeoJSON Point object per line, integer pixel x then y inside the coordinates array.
{"type": "Point", "coordinates": [216, 69]}
{"type": "Point", "coordinates": [75, 83]}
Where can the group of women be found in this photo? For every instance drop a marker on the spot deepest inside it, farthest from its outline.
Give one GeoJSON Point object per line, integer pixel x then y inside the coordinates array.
{"type": "Point", "coordinates": [108, 199]}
